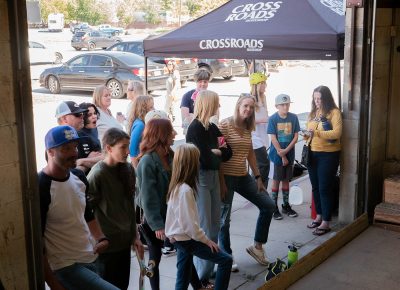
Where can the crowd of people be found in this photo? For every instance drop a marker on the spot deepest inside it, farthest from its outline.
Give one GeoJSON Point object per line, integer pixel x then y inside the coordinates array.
{"type": "Point", "coordinates": [113, 184]}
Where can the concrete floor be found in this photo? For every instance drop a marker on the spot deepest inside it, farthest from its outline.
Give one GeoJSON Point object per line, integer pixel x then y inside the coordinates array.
{"type": "Point", "coordinates": [370, 261]}
{"type": "Point", "coordinates": [282, 233]}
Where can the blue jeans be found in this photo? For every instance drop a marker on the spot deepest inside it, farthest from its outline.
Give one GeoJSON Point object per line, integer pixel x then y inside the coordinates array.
{"type": "Point", "coordinates": [82, 276]}
{"type": "Point", "coordinates": [208, 205]}
{"type": "Point", "coordinates": [246, 187]}
{"type": "Point", "coordinates": [322, 172]}
{"type": "Point", "coordinates": [188, 249]}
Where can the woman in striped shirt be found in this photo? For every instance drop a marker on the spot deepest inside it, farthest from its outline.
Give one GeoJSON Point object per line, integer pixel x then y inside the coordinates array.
{"type": "Point", "coordinates": [237, 131]}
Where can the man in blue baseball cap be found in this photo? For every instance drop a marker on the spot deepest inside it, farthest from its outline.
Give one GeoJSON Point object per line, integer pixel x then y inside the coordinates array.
{"type": "Point", "coordinates": [68, 225]}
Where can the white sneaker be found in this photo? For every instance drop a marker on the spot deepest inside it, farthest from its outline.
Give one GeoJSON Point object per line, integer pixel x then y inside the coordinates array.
{"type": "Point", "coordinates": [258, 255]}
{"type": "Point", "coordinates": [235, 267]}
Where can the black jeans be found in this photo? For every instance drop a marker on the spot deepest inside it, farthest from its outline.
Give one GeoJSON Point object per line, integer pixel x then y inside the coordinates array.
{"type": "Point", "coordinates": [115, 267]}
{"type": "Point", "coordinates": [263, 163]}
{"type": "Point", "coordinates": [322, 172]}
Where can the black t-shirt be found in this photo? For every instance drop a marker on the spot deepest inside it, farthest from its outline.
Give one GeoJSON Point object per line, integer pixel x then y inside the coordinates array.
{"type": "Point", "coordinates": [86, 145]}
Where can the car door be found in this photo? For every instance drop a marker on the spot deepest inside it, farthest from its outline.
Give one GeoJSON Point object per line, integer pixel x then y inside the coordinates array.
{"type": "Point", "coordinates": [100, 67]}
{"type": "Point", "coordinates": [71, 73]}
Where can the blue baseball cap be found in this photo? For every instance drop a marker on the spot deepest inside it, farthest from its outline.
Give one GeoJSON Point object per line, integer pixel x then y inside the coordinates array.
{"type": "Point", "coordinates": [60, 135]}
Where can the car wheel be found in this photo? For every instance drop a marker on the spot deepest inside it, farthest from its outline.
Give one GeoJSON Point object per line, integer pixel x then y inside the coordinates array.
{"type": "Point", "coordinates": [115, 88]}
{"type": "Point", "coordinates": [227, 77]}
{"type": "Point", "coordinates": [91, 46]}
{"type": "Point", "coordinates": [59, 58]}
{"type": "Point", "coordinates": [53, 84]}
{"type": "Point", "coordinates": [77, 48]}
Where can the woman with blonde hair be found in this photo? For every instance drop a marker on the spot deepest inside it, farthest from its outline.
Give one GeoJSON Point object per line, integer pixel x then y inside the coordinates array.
{"type": "Point", "coordinates": [213, 150]}
{"type": "Point", "coordinates": [140, 107]}
{"type": "Point", "coordinates": [182, 223]}
{"type": "Point", "coordinates": [259, 136]}
{"type": "Point", "coordinates": [134, 89]}
{"type": "Point", "coordinates": [237, 131]}
{"type": "Point", "coordinates": [102, 100]}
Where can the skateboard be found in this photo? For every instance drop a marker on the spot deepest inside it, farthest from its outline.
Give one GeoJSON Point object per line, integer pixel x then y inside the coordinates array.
{"type": "Point", "coordinates": [145, 270]}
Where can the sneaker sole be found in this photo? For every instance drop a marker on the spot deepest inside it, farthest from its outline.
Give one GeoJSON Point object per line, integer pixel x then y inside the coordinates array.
{"type": "Point", "coordinates": [278, 218]}
{"type": "Point", "coordinates": [256, 258]}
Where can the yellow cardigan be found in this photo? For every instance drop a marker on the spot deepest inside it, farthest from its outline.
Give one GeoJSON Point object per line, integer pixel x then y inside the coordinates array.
{"type": "Point", "coordinates": [320, 141]}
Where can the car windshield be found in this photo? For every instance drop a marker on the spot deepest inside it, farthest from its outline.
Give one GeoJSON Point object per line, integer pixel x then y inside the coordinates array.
{"type": "Point", "coordinates": [131, 59]}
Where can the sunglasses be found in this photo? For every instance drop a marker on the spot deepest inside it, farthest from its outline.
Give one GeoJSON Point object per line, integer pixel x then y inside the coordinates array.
{"type": "Point", "coordinates": [77, 115]}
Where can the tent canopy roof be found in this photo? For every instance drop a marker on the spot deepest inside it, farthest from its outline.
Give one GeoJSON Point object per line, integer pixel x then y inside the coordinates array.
{"type": "Point", "coordinates": [256, 29]}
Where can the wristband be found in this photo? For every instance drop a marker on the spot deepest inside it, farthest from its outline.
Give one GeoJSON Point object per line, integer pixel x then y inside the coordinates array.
{"type": "Point", "coordinates": [257, 177]}
{"type": "Point", "coordinates": [103, 239]}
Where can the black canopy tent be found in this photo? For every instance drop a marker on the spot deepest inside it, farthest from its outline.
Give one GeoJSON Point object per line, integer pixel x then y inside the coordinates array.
{"type": "Point", "coordinates": [260, 29]}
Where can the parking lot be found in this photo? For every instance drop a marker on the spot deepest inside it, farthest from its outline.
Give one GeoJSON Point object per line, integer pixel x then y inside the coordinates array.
{"type": "Point", "coordinates": [296, 78]}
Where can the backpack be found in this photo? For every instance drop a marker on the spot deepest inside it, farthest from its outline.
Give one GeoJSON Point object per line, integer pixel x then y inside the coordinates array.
{"type": "Point", "coordinates": [274, 269]}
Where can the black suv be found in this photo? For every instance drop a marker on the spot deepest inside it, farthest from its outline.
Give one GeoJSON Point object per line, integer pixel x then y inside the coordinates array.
{"type": "Point", "coordinates": [187, 66]}
{"type": "Point", "coordinates": [93, 39]}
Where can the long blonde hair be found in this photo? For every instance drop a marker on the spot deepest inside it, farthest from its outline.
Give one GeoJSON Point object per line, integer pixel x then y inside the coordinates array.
{"type": "Point", "coordinates": [185, 167]}
{"type": "Point", "coordinates": [259, 96]}
{"type": "Point", "coordinates": [97, 94]}
{"type": "Point", "coordinates": [250, 123]}
{"type": "Point", "coordinates": [140, 107]}
{"type": "Point", "coordinates": [206, 106]}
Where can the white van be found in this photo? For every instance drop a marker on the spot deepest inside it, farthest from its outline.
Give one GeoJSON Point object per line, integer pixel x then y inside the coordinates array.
{"type": "Point", "coordinates": [55, 22]}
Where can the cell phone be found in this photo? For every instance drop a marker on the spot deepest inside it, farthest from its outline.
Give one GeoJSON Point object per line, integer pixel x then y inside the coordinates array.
{"type": "Point", "coordinates": [119, 113]}
{"type": "Point", "coordinates": [305, 132]}
{"type": "Point", "coordinates": [221, 140]}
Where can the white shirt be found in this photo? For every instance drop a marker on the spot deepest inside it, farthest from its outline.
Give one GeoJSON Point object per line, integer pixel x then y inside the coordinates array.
{"type": "Point", "coordinates": [105, 122]}
{"type": "Point", "coordinates": [259, 136]}
{"type": "Point", "coordinates": [67, 238]}
{"type": "Point", "coordinates": [182, 223]}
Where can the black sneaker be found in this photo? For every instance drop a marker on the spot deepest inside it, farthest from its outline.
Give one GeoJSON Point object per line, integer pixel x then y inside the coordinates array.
{"type": "Point", "coordinates": [287, 209]}
{"type": "Point", "coordinates": [277, 215]}
{"type": "Point", "coordinates": [168, 251]}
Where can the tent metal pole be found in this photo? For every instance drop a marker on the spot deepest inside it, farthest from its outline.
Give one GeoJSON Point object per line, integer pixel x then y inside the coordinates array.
{"type": "Point", "coordinates": [145, 75]}
{"type": "Point", "coordinates": [339, 84]}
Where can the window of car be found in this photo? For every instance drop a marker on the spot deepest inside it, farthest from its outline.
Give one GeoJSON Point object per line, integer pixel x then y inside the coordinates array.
{"type": "Point", "coordinates": [33, 44]}
{"type": "Point", "coordinates": [118, 47]}
{"type": "Point", "coordinates": [95, 34]}
{"type": "Point", "coordinates": [131, 59]}
{"type": "Point", "coordinates": [135, 47]}
{"type": "Point", "coordinates": [100, 60]}
{"type": "Point", "coordinates": [80, 61]}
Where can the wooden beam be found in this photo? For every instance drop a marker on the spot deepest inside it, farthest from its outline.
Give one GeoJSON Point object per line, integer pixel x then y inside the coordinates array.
{"type": "Point", "coordinates": [318, 255]}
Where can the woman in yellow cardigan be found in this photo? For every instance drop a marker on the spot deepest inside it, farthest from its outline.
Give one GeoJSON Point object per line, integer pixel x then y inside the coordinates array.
{"type": "Point", "coordinates": [325, 127]}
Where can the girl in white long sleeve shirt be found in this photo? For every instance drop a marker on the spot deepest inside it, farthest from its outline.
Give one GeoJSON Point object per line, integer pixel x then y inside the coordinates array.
{"type": "Point", "coordinates": [182, 222]}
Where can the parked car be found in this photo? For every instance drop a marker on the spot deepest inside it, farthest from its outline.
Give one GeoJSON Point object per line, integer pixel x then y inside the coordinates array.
{"type": "Point", "coordinates": [225, 68]}
{"type": "Point", "coordinates": [187, 66]}
{"type": "Point", "coordinates": [107, 28]}
{"type": "Point", "coordinates": [111, 68]}
{"type": "Point", "coordinates": [40, 54]}
{"type": "Point", "coordinates": [93, 39]}
{"type": "Point", "coordinates": [83, 26]}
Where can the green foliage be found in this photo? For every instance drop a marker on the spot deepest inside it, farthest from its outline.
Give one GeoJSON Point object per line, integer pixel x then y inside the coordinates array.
{"type": "Point", "coordinates": [166, 5]}
{"type": "Point", "coordinates": [152, 17]}
{"type": "Point", "coordinates": [193, 7]}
